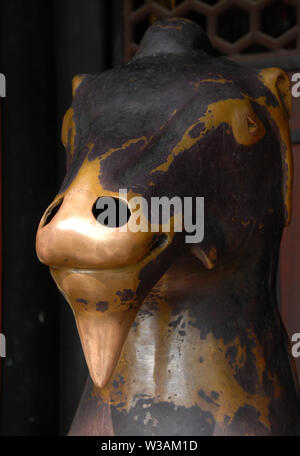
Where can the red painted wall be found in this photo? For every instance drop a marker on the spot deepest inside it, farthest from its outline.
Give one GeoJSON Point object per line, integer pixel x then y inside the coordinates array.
{"type": "Point", "coordinates": [290, 261]}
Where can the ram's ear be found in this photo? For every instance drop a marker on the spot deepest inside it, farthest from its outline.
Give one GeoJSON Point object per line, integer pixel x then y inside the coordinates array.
{"type": "Point", "coordinates": [76, 81]}
{"type": "Point", "coordinates": [68, 130]}
{"type": "Point", "coordinates": [68, 126]}
{"type": "Point", "coordinates": [279, 83]}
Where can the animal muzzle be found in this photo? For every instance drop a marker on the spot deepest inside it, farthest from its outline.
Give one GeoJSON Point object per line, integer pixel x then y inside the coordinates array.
{"type": "Point", "coordinates": [97, 268]}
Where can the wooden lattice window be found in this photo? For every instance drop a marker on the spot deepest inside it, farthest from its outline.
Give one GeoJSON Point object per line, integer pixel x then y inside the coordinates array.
{"type": "Point", "coordinates": [234, 27]}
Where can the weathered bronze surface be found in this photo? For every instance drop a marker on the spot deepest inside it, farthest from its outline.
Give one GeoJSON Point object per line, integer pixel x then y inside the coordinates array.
{"type": "Point", "coordinates": [180, 339]}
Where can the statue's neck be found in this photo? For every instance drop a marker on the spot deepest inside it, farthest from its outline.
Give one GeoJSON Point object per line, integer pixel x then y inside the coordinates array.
{"type": "Point", "coordinates": [202, 348]}
{"type": "Point", "coordinates": [192, 332]}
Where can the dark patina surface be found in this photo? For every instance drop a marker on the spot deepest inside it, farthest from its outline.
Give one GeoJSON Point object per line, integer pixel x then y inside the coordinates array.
{"type": "Point", "coordinates": [204, 350]}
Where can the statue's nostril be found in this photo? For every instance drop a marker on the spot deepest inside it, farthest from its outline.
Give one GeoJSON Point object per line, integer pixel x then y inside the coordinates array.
{"type": "Point", "coordinates": [52, 211]}
{"type": "Point", "coordinates": [111, 212]}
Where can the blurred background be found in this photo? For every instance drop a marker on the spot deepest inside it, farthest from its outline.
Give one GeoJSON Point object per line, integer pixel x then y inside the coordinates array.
{"type": "Point", "coordinates": [42, 46]}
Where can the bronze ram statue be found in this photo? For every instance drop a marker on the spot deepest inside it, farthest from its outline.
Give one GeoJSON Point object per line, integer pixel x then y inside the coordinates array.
{"type": "Point", "coordinates": [180, 338]}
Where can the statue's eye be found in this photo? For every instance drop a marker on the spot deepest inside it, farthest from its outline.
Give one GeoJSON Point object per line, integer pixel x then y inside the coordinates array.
{"type": "Point", "coordinates": [252, 125]}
